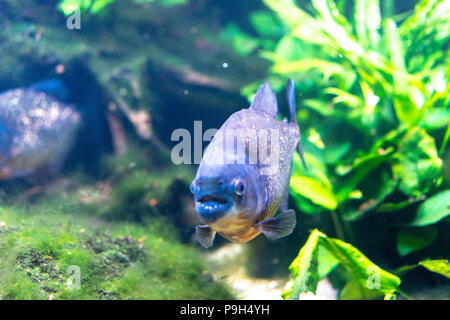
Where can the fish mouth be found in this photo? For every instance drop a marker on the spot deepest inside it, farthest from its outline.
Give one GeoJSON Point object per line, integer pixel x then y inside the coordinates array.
{"type": "Point", "coordinates": [212, 199]}
{"type": "Point", "coordinates": [211, 207]}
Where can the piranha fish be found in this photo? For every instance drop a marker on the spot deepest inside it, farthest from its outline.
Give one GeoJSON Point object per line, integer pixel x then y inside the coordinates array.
{"type": "Point", "coordinates": [36, 129]}
{"type": "Point", "coordinates": [244, 175]}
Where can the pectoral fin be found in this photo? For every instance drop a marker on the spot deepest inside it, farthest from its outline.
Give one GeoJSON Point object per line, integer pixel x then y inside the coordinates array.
{"type": "Point", "coordinates": [280, 226]}
{"type": "Point", "coordinates": [205, 235]}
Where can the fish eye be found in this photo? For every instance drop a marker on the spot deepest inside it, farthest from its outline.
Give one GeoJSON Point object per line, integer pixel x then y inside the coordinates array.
{"type": "Point", "coordinates": [239, 187]}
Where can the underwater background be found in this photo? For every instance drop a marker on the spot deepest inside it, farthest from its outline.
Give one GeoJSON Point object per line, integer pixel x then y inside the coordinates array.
{"type": "Point", "coordinates": [111, 215]}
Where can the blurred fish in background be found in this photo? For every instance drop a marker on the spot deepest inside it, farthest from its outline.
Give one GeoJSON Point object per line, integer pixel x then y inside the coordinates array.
{"type": "Point", "coordinates": [37, 129]}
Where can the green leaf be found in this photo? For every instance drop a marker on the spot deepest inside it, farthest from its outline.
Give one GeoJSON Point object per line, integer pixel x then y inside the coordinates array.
{"type": "Point", "coordinates": [170, 3]}
{"type": "Point", "coordinates": [327, 68]}
{"type": "Point", "coordinates": [335, 153]}
{"type": "Point", "coordinates": [293, 16]}
{"type": "Point", "coordinates": [322, 107]}
{"type": "Point", "coordinates": [360, 268]}
{"type": "Point", "coordinates": [427, 25]}
{"type": "Point", "coordinates": [326, 262]}
{"type": "Point", "coordinates": [417, 163]}
{"type": "Point", "coordinates": [363, 272]}
{"type": "Point", "coordinates": [396, 206]}
{"type": "Point", "coordinates": [373, 22]}
{"type": "Point", "coordinates": [305, 205]}
{"type": "Point", "coordinates": [242, 43]}
{"type": "Point", "coordinates": [344, 97]}
{"type": "Point", "coordinates": [304, 269]}
{"type": "Point", "coordinates": [367, 22]}
{"type": "Point", "coordinates": [266, 24]}
{"type": "Point", "coordinates": [390, 296]}
{"type": "Point", "coordinates": [413, 239]}
{"type": "Point", "coordinates": [405, 108]}
{"type": "Point", "coordinates": [70, 6]}
{"type": "Point", "coordinates": [360, 169]}
{"type": "Point", "coordinates": [98, 5]}
{"type": "Point", "coordinates": [372, 202]}
{"type": "Point", "coordinates": [441, 266]}
{"type": "Point", "coordinates": [312, 184]}
{"type": "Point", "coordinates": [433, 209]}
{"type": "Point", "coordinates": [354, 291]}
{"type": "Point", "coordinates": [293, 49]}
{"type": "Point", "coordinates": [436, 118]}
{"type": "Point", "coordinates": [445, 140]}
{"type": "Point", "coordinates": [314, 190]}
{"type": "Point", "coordinates": [404, 269]}
{"type": "Point", "coordinates": [360, 21]}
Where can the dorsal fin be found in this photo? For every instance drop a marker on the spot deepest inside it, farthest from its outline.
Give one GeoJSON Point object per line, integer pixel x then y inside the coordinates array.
{"type": "Point", "coordinates": [265, 100]}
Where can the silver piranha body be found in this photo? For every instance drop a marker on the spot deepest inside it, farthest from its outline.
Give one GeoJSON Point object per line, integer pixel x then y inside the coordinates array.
{"type": "Point", "coordinates": [36, 131]}
{"type": "Point", "coordinates": [243, 178]}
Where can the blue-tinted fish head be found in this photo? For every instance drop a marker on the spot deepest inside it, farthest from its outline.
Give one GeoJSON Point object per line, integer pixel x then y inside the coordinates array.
{"type": "Point", "coordinates": [224, 190]}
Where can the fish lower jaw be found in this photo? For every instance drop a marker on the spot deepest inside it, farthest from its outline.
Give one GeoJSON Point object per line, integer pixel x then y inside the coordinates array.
{"type": "Point", "coordinates": [211, 211]}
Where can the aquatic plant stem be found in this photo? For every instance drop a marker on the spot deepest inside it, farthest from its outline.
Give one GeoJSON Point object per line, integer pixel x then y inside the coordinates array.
{"type": "Point", "coordinates": [445, 141]}
{"type": "Point", "coordinates": [337, 225]}
{"type": "Point", "coordinates": [388, 9]}
{"type": "Point", "coordinates": [349, 231]}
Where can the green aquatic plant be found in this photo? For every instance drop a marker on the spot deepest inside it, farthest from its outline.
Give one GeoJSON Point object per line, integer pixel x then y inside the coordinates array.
{"type": "Point", "coordinates": [363, 272]}
{"type": "Point", "coordinates": [95, 6]}
{"type": "Point", "coordinates": [322, 254]}
{"type": "Point", "coordinates": [375, 121]}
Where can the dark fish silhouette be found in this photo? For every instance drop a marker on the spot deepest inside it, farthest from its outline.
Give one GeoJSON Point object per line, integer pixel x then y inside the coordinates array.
{"type": "Point", "coordinates": [36, 130]}
{"type": "Point", "coordinates": [244, 175]}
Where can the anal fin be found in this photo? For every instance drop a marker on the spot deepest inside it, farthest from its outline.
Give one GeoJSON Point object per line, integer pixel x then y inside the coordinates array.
{"type": "Point", "coordinates": [281, 226]}
{"type": "Point", "coordinates": [205, 236]}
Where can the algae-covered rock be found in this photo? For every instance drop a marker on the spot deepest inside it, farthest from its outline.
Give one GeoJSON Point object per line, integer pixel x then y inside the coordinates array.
{"type": "Point", "coordinates": [49, 256]}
